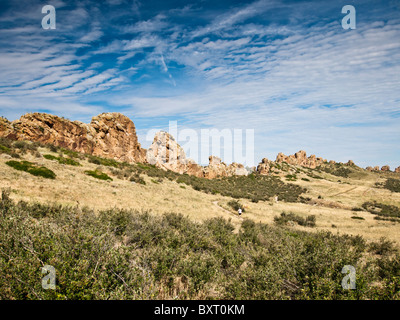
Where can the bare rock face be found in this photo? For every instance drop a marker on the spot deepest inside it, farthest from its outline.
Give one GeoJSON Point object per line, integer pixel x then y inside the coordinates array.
{"type": "Point", "coordinates": [116, 138]}
{"type": "Point", "coordinates": [376, 168]}
{"type": "Point", "coordinates": [109, 135]}
{"type": "Point", "coordinates": [385, 168]}
{"type": "Point", "coordinates": [167, 154]}
{"type": "Point", "coordinates": [350, 163]}
{"type": "Point", "coordinates": [397, 170]}
{"type": "Point", "coordinates": [369, 169]}
{"type": "Point", "coordinates": [264, 167]}
{"type": "Point", "coordinates": [300, 159]}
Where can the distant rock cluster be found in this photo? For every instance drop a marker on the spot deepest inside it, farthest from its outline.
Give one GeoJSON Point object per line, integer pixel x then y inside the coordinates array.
{"type": "Point", "coordinates": [382, 169]}
{"type": "Point", "coordinates": [300, 159]}
{"type": "Point", "coordinates": [166, 153]}
{"type": "Point", "coordinates": [113, 135]}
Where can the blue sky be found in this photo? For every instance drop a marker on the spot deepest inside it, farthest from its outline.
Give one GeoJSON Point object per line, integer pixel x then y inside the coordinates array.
{"type": "Point", "coordinates": [286, 69]}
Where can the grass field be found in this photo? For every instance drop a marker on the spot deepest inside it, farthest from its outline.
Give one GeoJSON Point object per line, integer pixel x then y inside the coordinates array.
{"type": "Point", "coordinates": [331, 201]}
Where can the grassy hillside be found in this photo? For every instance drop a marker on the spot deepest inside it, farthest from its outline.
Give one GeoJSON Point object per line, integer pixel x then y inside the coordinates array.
{"type": "Point", "coordinates": [85, 180]}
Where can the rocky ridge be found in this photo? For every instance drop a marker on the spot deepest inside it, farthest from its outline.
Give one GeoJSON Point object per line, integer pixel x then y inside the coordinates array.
{"type": "Point", "coordinates": [110, 135]}
{"type": "Point", "coordinates": [113, 135]}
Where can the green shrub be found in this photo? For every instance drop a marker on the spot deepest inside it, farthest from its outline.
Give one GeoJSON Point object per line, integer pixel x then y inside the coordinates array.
{"type": "Point", "coordinates": [138, 179]}
{"type": "Point", "coordinates": [49, 157]}
{"type": "Point", "coordinates": [62, 160]}
{"type": "Point", "coordinates": [4, 149]}
{"type": "Point", "coordinates": [98, 174]}
{"type": "Point", "coordinates": [235, 205]}
{"type": "Point", "coordinates": [381, 209]}
{"type": "Point", "coordinates": [391, 184]}
{"type": "Point", "coordinates": [291, 177]}
{"type": "Point", "coordinates": [382, 247]}
{"type": "Point", "coordinates": [337, 169]}
{"type": "Point", "coordinates": [104, 161]}
{"type": "Point", "coordinates": [32, 169]}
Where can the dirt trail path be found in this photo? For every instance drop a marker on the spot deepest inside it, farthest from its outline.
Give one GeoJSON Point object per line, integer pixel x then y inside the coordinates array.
{"type": "Point", "coordinates": [344, 192]}
{"type": "Point", "coordinates": [227, 211]}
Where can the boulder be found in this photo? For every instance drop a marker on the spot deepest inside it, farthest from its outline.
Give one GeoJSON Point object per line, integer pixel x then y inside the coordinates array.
{"type": "Point", "coordinates": [264, 167]}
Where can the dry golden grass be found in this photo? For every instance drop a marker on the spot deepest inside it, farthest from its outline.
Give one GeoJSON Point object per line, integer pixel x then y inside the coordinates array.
{"type": "Point", "coordinates": [333, 211]}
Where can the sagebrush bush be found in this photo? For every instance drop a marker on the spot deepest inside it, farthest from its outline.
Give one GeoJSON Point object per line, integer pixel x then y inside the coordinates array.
{"type": "Point", "coordinates": [32, 169]}
{"type": "Point", "coordinates": [392, 184]}
{"type": "Point", "coordinates": [235, 205]}
{"type": "Point", "coordinates": [381, 209]}
{"type": "Point", "coordinates": [62, 160]}
{"type": "Point", "coordinates": [284, 218]}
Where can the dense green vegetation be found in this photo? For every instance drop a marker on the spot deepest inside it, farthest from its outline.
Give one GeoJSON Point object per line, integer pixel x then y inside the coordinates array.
{"type": "Point", "coordinates": [284, 218]}
{"type": "Point", "coordinates": [32, 169]}
{"type": "Point", "coordinates": [254, 187]}
{"type": "Point", "coordinates": [118, 254]}
{"type": "Point", "coordinates": [62, 160]}
{"type": "Point", "coordinates": [390, 184]}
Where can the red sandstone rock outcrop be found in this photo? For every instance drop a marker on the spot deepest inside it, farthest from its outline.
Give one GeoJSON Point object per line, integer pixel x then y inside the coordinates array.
{"type": "Point", "coordinates": [110, 135]}
{"type": "Point", "coordinates": [397, 170]}
{"type": "Point", "coordinates": [385, 168]}
{"type": "Point", "coordinates": [264, 167]}
{"type": "Point", "coordinates": [300, 159]}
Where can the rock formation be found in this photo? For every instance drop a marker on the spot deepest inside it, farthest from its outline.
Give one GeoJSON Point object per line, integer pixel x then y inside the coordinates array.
{"type": "Point", "coordinates": [264, 167]}
{"type": "Point", "coordinates": [300, 159]}
{"type": "Point", "coordinates": [217, 168]}
{"type": "Point", "coordinates": [113, 135]}
{"type": "Point", "coordinates": [167, 154]}
{"type": "Point", "coordinates": [110, 135]}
